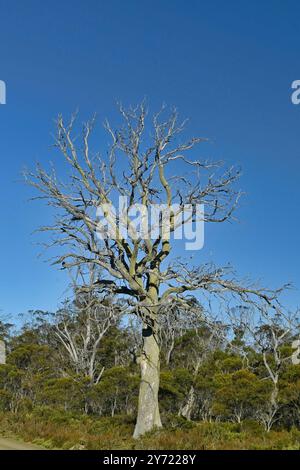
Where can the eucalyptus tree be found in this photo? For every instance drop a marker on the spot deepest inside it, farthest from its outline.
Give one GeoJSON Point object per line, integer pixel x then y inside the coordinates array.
{"type": "Point", "coordinates": [146, 163]}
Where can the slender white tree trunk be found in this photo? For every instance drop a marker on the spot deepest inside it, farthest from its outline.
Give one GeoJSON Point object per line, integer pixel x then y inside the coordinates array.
{"type": "Point", "coordinates": [187, 409]}
{"type": "Point", "coordinates": [148, 417]}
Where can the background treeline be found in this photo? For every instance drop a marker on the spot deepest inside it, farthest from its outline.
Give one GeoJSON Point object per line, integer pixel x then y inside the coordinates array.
{"type": "Point", "coordinates": [83, 360]}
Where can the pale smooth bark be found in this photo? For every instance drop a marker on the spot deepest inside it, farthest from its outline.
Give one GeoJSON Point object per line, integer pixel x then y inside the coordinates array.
{"type": "Point", "coordinates": [187, 409]}
{"type": "Point", "coordinates": [148, 409]}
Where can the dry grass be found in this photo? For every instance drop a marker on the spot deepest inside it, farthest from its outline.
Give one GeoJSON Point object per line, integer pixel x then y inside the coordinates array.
{"type": "Point", "coordinates": [59, 430]}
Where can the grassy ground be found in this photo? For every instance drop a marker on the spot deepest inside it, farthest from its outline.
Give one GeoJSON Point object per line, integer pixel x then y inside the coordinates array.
{"type": "Point", "coordinates": [68, 431]}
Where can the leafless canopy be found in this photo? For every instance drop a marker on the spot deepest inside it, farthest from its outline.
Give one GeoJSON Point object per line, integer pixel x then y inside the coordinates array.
{"type": "Point", "coordinates": [147, 166]}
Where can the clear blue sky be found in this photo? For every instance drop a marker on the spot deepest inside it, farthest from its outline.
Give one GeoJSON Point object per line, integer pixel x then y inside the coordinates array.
{"type": "Point", "coordinates": [226, 65]}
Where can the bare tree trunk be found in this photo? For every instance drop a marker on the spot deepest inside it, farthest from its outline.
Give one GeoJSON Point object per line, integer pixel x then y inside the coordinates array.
{"type": "Point", "coordinates": [169, 353]}
{"type": "Point", "coordinates": [186, 410]}
{"type": "Point", "coordinates": [148, 410]}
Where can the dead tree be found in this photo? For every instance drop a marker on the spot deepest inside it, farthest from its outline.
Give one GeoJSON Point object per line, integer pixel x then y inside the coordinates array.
{"type": "Point", "coordinates": [81, 323]}
{"type": "Point", "coordinates": [146, 167]}
{"type": "Point", "coordinates": [269, 331]}
{"type": "Point", "coordinates": [174, 322]}
{"type": "Point", "coordinates": [275, 330]}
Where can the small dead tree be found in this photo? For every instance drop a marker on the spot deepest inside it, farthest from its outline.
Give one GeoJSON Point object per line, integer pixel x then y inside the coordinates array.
{"type": "Point", "coordinates": [175, 321]}
{"type": "Point", "coordinates": [208, 335]}
{"type": "Point", "coordinates": [147, 163]}
{"type": "Point", "coordinates": [81, 324]}
{"type": "Point", "coordinates": [270, 331]}
{"type": "Point", "coordinates": [275, 331]}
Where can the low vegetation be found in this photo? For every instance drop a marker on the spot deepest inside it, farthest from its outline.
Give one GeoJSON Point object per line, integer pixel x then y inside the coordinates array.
{"type": "Point", "coordinates": [66, 431]}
